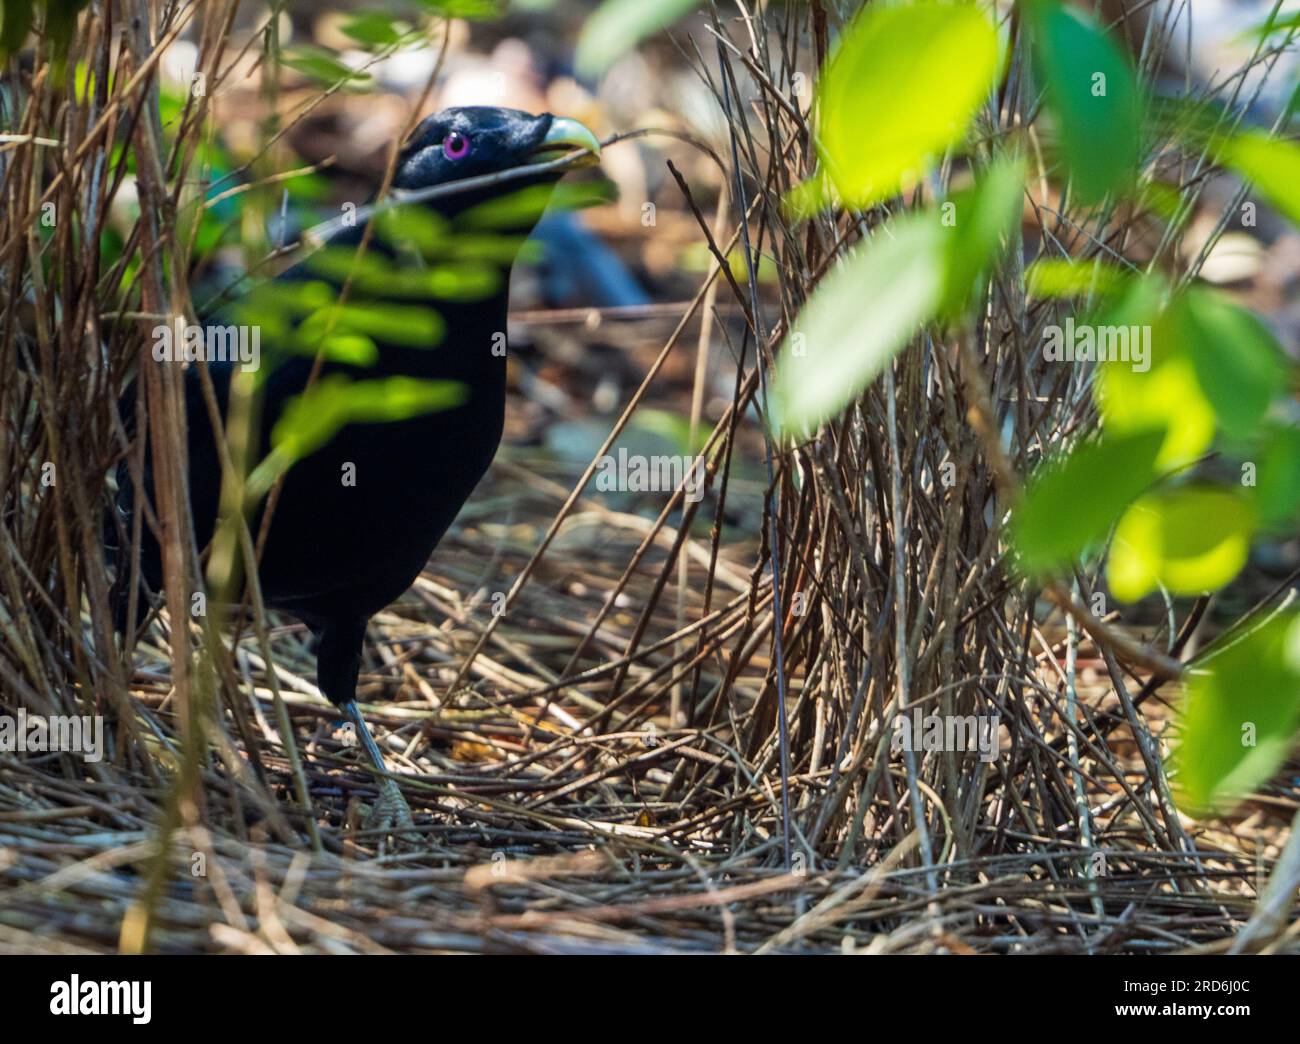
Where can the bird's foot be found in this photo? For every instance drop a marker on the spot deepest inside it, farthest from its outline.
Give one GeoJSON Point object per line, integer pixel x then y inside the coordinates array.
{"type": "Point", "coordinates": [391, 813]}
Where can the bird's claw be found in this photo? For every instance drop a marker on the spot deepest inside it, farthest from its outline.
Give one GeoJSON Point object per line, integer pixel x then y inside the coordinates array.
{"type": "Point", "coordinates": [391, 813]}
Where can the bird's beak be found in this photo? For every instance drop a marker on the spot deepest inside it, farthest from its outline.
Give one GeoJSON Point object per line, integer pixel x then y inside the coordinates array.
{"type": "Point", "coordinates": [566, 135]}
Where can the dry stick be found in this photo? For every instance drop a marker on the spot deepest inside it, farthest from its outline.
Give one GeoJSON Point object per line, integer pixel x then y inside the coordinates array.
{"type": "Point", "coordinates": [1275, 905]}
{"type": "Point", "coordinates": [725, 424]}
{"type": "Point", "coordinates": [665, 904]}
{"type": "Point", "coordinates": [575, 495]}
{"type": "Point", "coordinates": [212, 644]}
{"type": "Point", "coordinates": [224, 563]}
{"type": "Point", "coordinates": [1080, 797]}
{"type": "Point", "coordinates": [981, 418]}
{"type": "Point", "coordinates": [743, 391]}
{"type": "Point", "coordinates": [688, 514]}
{"type": "Point", "coordinates": [144, 69]}
{"type": "Point", "coordinates": [679, 539]}
{"type": "Point", "coordinates": [167, 422]}
{"type": "Point", "coordinates": [773, 496]}
{"type": "Point", "coordinates": [1103, 728]}
{"type": "Point", "coordinates": [900, 622]}
{"type": "Point", "coordinates": [710, 643]}
{"type": "Point", "coordinates": [53, 434]}
{"type": "Point", "coordinates": [223, 567]}
{"type": "Point", "coordinates": [675, 716]}
{"type": "Point", "coordinates": [85, 322]}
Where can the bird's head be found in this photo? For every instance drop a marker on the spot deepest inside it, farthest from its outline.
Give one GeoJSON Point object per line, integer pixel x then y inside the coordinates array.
{"type": "Point", "coordinates": [469, 142]}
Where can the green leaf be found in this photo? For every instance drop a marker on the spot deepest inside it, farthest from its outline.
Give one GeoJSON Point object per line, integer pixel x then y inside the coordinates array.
{"type": "Point", "coordinates": [311, 419]}
{"type": "Point", "coordinates": [522, 207]}
{"type": "Point", "coordinates": [914, 268]}
{"type": "Point", "coordinates": [16, 24]}
{"type": "Point", "coordinates": [375, 29]}
{"type": "Point", "coordinates": [411, 326]}
{"type": "Point", "coordinates": [373, 275]}
{"type": "Point", "coordinates": [60, 24]}
{"type": "Point", "coordinates": [1057, 277]}
{"type": "Point", "coordinates": [368, 270]}
{"type": "Point", "coordinates": [986, 215]}
{"type": "Point", "coordinates": [1186, 540]}
{"type": "Point", "coordinates": [858, 318]}
{"type": "Point", "coordinates": [316, 63]}
{"type": "Point", "coordinates": [419, 226]}
{"type": "Point", "coordinates": [473, 10]}
{"type": "Point", "coordinates": [1275, 23]}
{"type": "Point", "coordinates": [462, 281]}
{"type": "Point", "coordinates": [1168, 394]}
{"type": "Point", "coordinates": [1271, 163]}
{"type": "Point", "coordinates": [275, 304]}
{"type": "Point", "coordinates": [900, 89]}
{"type": "Point", "coordinates": [619, 25]}
{"type": "Point", "coordinates": [1093, 93]}
{"type": "Point", "coordinates": [1240, 717]}
{"type": "Point", "coordinates": [1071, 501]}
{"type": "Point", "coordinates": [1238, 364]}
{"type": "Point", "coordinates": [1278, 490]}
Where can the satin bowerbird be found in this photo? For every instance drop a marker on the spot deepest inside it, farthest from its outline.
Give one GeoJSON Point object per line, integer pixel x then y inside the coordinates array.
{"type": "Point", "coordinates": [355, 519]}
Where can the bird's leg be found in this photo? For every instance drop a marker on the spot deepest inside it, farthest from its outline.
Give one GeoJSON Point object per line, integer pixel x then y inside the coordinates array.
{"type": "Point", "coordinates": [391, 812]}
{"type": "Point", "coordinates": [338, 662]}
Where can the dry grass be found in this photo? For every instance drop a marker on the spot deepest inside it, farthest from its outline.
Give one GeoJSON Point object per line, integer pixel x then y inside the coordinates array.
{"type": "Point", "coordinates": [596, 763]}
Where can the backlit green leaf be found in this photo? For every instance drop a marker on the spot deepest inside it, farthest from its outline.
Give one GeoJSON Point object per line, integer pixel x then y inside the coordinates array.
{"type": "Point", "coordinates": [412, 326]}
{"type": "Point", "coordinates": [1272, 164]}
{"type": "Point", "coordinates": [311, 419]}
{"type": "Point", "coordinates": [1240, 717]}
{"type": "Point", "coordinates": [473, 10]}
{"type": "Point", "coordinates": [1187, 540]}
{"type": "Point", "coordinates": [899, 90]}
{"type": "Point", "coordinates": [1167, 396]}
{"type": "Point", "coordinates": [1066, 277]}
{"type": "Point", "coordinates": [1164, 391]}
{"type": "Point", "coordinates": [1070, 502]}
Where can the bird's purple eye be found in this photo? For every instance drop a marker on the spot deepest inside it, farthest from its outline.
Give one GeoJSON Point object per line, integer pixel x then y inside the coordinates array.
{"type": "Point", "coordinates": [455, 146]}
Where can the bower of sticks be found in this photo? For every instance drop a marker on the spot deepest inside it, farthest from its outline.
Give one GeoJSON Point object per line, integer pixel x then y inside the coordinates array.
{"type": "Point", "coordinates": [581, 696]}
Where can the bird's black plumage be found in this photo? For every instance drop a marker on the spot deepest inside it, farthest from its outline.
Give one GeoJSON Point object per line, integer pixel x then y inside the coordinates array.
{"type": "Point", "coordinates": [339, 551]}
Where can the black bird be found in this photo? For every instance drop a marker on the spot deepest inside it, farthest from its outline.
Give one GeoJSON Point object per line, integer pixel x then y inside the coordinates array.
{"type": "Point", "coordinates": [358, 517]}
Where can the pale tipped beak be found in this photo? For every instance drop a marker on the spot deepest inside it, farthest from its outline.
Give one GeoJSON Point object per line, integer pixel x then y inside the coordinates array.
{"type": "Point", "coordinates": [566, 135]}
